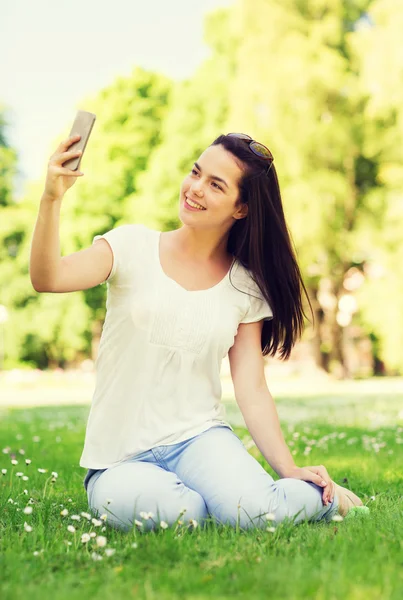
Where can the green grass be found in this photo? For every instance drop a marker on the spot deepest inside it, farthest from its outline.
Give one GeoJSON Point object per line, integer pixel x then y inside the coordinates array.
{"type": "Point", "coordinates": [356, 559]}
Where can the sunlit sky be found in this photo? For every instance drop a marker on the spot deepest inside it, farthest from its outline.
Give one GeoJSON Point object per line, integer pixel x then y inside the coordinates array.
{"type": "Point", "coordinates": [54, 54]}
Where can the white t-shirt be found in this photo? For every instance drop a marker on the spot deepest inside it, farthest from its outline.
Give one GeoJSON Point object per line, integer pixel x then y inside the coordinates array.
{"type": "Point", "coordinates": [161, 349]}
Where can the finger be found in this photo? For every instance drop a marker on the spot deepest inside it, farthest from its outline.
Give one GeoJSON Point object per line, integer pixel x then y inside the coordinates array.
{"type": "Point", "coordinates": [67, 143]}
{"type": "Point", "coordinates": [322, 472]}
{"type": "Point", "coordinates": [328, 490]}
{"type": "Point", "coordinates": [317, 477]}
{"type": "Point", "coordinates": [59, 159]}
{"type": "Point", "coordinates": [66, 155]}
{"type": "Point", "coordinates": [310, 475]}
{"type": "Point", "coordinates": [327, 493]}
{"type": "Point", "coordinates": [72, 138]}
{"type": "Point", "coordinates": [64, 171]}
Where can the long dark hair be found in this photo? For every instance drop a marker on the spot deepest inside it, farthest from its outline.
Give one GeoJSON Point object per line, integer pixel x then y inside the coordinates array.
{"type": "Point", "coordinates": [262, 243]}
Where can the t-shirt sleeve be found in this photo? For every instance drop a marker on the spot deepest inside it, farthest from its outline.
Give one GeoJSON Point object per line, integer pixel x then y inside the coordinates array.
{"type": "Point", "coordinates": [258, 309]}
{"type": "Point", "coordinates": [119, 239]}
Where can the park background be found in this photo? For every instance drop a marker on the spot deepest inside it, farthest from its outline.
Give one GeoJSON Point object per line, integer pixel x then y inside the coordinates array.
{"type": "Point", "coordinates": [321, 84]}
{"type": "Point", "coordinates": [317, 82]}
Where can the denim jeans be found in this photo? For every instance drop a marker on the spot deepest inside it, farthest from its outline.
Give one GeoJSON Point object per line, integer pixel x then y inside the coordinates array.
{"type": "Point", "coordinates": [211, 475]}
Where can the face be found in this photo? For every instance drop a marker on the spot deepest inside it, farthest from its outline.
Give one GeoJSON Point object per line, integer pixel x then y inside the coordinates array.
{"type": "Point", "coordinates": [213, 183]}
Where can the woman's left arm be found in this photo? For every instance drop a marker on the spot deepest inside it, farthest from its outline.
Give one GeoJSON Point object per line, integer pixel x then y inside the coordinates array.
{"type": "Point", "coordinates": [259, 410]}
{"type": "Point", "coordinates": [261, 418]}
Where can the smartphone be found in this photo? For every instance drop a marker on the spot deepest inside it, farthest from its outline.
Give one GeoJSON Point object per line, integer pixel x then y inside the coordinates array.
{"type": "Point", "coordinates": [82, 125]}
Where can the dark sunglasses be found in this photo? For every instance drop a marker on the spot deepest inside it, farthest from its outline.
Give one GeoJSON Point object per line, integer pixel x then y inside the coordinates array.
{"type": "Point", "coordinates": [256, 147]}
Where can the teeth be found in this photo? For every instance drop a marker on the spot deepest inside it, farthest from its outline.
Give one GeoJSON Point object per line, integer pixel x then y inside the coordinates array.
{"type": "Point", "coordinates": [194, 204]}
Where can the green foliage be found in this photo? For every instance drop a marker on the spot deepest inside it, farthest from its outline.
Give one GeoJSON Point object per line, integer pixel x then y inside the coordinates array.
{"type": "Point", "coordinates": [320, 83]}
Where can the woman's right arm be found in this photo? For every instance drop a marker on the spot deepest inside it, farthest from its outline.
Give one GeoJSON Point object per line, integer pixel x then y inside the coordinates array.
{"type": "Point", "coordinates": [49, 272]}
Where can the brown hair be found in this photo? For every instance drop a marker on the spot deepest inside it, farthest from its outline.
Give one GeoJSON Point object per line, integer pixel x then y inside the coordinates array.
{"type": "Point", "coordinates": [262, 243]}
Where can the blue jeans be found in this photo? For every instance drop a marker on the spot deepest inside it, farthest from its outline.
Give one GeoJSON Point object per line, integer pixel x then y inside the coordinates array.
{"type": "Point", "coordinates": [209, 475]}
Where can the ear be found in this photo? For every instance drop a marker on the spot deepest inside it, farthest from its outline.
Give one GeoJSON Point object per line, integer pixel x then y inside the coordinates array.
{"type": "Point", "coordinates": [242, 212]}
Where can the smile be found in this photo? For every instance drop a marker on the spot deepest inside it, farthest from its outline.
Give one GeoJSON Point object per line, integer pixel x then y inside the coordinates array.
{"type": "Point", "coordinates": [193, 205]}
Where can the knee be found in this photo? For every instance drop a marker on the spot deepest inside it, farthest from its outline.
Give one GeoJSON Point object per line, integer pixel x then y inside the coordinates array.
{"type": "Point", "coordinates": [247, 512]}
{"type": "Point", "coordinates": [145, 509]}
{"type": "Point", "coordinates": [294, 500]}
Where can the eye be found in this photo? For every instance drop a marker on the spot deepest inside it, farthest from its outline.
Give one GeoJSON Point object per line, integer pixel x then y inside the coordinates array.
{"type": "Point", "coordinates": [194, 172]}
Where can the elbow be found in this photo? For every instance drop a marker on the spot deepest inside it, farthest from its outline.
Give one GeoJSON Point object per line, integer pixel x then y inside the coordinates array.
{"type": "Point", "coordinates": [37, 287]}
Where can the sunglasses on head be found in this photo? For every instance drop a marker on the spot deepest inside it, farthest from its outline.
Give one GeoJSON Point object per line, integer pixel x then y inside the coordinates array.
{"type": "Point", "coordinates": [256, 147]}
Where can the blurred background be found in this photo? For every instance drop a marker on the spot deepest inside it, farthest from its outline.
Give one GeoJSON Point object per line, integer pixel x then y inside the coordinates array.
{"type": "Point", "coordinates": [320, 82]}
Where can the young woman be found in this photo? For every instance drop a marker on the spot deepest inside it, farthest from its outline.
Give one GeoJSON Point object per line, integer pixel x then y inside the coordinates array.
{"type": "Point", "coordinates": [225, 282]}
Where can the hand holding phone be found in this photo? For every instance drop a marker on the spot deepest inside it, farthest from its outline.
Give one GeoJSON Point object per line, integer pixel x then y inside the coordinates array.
{"type": "Point", "coordinates": [63, 164]}
{"type": "Point", "coordinates": [82, 126]}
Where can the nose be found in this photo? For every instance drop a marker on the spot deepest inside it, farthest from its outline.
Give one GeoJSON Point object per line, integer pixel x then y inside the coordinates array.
{"type": "Point", "coordinates": [196, 189]}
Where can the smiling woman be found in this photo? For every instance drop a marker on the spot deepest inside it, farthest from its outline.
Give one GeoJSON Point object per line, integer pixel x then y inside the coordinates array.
{"type": "Point", "coordinates": [225, 283]}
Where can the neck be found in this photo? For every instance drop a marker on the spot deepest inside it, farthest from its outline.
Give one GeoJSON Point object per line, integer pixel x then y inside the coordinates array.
{"type": "Point", "coordinates": [202, 245]}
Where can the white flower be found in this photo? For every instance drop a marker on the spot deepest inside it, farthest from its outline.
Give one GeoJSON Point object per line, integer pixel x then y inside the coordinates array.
{"type": "Point", "coordinates": [96, 522]}
{"type": "Point", "coordinates": [110, 551]}
{"type": "Point", "coordinates": [86, 515]}
{"type": "Point", "coordinates": [109, 500]}
{"type": "Point", "coordinates": [27, 527]}
{"type": "Point", "coordinates": [138, 523]}
{"type": "Point", "coordinates": [75, 517]}
{"type": "Point", "coordinates": [25, 491]}
{"type": "Point", "coordinates": [270, 517]}
{"type": "Point", "coordinates": [28, 510]}
{"type": "Point", "coordinates": [194, 523]}
{"type": "Point", "coordinates": [55, 474]}
{"type": "Point", "coordinates": [25, 477]}
{"type": "Point", "coordinates": [42, 470]}
{"type": "Point", "coordinates": [93, 534]}
{"type": "Point", "coordinates": [144, 515]}
{"type": "Point", "coordinates": [19, 474]}
{"type": "Point", "coordinates": [10, 500]}
{"type": "Point", "coordinates": [96, 556]}
{"type": "Point", "coordinates": [134, 545]}
{"type": "Point", "coordinates": [103, 517]}
{"type": "Point", "coordinates": [4, 471]}
{"type": "Point", "coordinates": [85, 538]}
{"type": "Point", "coordinates": [71, 528]}
{"type": "Point", "coordinates": [14, 461]}
{"type": "Point", "coordinates": [337, 518]}
{"type": "Point", "coordinates": [163, 524]}
{"type": "Point", "coordinates": [271, 529]}
{"type": "Point", "coordinates": [101, 541]}
{"type": "Point", "coordinates": [64, 512]}
{"type": "Point", "coordinates": [6, 450]}
{"type": "Point", "coordinates": [28, 461]}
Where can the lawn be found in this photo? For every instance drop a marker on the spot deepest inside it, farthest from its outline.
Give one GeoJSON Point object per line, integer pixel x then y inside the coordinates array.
{"type": "Point", "coordinates": [42, 557]}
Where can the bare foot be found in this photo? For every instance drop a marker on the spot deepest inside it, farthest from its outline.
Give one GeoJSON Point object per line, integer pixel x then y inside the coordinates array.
{"type": "Point", "coordinates": [347, 499]}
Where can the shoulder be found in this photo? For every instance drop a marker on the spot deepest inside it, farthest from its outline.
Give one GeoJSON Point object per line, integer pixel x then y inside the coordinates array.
{"type": "Point", "coordinates": [243, 278]}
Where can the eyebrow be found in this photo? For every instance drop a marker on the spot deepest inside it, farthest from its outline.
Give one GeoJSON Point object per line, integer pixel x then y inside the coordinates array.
{"type": "Point", "coordinates": [213, 176]}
